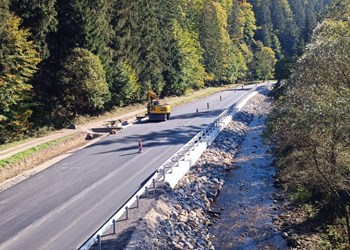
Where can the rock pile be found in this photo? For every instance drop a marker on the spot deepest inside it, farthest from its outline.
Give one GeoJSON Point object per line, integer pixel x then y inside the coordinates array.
{"type": "Point", "coordinates": [182, 217]}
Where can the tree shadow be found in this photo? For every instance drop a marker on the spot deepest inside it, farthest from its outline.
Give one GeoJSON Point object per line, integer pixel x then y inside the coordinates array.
{"type": "Point", "coordinates": [202, 114]}
{"type": "Point", "coordinates": [151, 140]}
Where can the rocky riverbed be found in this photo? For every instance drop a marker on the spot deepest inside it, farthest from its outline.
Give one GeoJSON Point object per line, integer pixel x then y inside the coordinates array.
{"type": "Point", "coordinates": [196, 216]}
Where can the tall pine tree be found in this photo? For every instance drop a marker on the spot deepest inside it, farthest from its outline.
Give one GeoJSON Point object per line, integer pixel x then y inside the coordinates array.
{"type": "Point", "coordinates": [40, 18]}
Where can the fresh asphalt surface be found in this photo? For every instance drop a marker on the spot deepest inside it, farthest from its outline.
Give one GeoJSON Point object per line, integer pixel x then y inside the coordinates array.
{"type": "Point", "coordinates": [62, 206]}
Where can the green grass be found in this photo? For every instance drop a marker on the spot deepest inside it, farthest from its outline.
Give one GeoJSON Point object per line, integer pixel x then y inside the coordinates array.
{"type": "Point", "coordinates": [26, 153]}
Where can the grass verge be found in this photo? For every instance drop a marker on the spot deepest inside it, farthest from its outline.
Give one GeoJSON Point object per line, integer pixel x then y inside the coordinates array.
{"type": "Point", "coordinates": [24, 154]}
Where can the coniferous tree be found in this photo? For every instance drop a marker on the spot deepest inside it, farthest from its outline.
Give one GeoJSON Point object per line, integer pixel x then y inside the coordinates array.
{"type": "Point", "coordinates": [126, 47]}
{"type": "Point", "coordinates": [226, 5]}
{"type": "Point", "coordinates": [82, 24]}
{"type": "Point", "coordinates": [152, 51]}
{"type": "Point", "coordinates": [183, 62]}
{"type": "Point", "coordinates": [85, 24]}
{"type": "Point", "coordinates": [285, 26]}
{"type": "Point", "coordinates": [191, 14]}
{"type": "Point", "coordinates": [241, 28]}
{"type": "Point", "coordinates": [187, 63]}
{"type": "Point", "coordinates": [126, 88]}
{"type": "Point", "coordinates": [40, 18]}
{"type": "Point", "coordinates": [264, 62]}
{"type": "Point", "coordinates": [139, 41]}
{"type": "Point", "coordinates": [263, 17]}
{"type": "Point", "coordinates": [221, 58]}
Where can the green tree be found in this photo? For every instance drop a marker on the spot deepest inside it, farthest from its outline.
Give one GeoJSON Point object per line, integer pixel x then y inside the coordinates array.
{"type": "Point", "coordinates": [285, 26]}
{"type": "Point", "coordinates": [40, 18]}
{"type": "Point", "coordinates": [249, 24]}
{"type": "Point", "coordinates": [83, 82]}
{"type": "Point", "coordinates": [191, 14]}
{"type": "Point", "coordinates": [265, 28]}
{"type": "Point", "coordinates": [139, 40]}
{"type": "Point", "coordinates": [18, 60]}
{"type": "Point", "coordinates": [125, 86]}
{"type": "Point", "coordinates": [241, 28]}
{"type": "Point", "coordinates": [226, 5]}
{"type": "Point", "coordinates": [264, 62]}
{"type": "Point", "coordinates": [311, 123]}
{"type": "Point", "coordinates": [241, 22]}
{"type": "Point", "coordinates": [220, 56]}
{"type": "Point", "coordinates": [190, 71]}
{"type": "Point", "coordinates": [85, 24]}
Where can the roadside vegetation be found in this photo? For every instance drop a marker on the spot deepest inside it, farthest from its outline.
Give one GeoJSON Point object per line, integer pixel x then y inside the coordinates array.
{"type": "Point", "coordinates": [310, 128]}
{"type": "Point", "coordinates": [24, 154]}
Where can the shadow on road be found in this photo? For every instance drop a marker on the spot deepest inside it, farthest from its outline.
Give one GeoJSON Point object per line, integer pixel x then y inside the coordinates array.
{"type": "Point", "coordinates": [151, 140]}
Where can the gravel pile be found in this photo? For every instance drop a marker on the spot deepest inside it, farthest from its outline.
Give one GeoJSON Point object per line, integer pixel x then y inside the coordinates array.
{"type": "Point", "coordinates": [182, 217]}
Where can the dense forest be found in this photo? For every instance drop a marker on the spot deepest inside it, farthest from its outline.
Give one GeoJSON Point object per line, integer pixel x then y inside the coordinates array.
{"type": "Point", "coordinates": [310, 128]}
{"type": "Point", "coordinates": [60, 59]}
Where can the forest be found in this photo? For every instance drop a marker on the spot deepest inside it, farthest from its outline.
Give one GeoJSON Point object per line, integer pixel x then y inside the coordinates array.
{"type": "Point", "coordinates": [310, 128]}
{"type": "Point", "coordinates": [61, 59]}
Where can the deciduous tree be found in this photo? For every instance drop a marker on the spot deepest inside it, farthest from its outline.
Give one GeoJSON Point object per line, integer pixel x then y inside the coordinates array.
{"type": "Point", "coordinates": [311, 123]}
{"type": "Point", "coordinates": [83, 82]}
{"type": "Point", "coordinates": [264, 62]}
{"type": "Point", "coordinates": [18, 60]}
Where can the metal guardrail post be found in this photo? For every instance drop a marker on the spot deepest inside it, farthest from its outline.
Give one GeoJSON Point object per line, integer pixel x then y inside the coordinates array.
{"type": "Point", "coordinates": [126, 212]}
{"type": "Point", "coordinates": [163, 170]}
{"type": "Point", "coordinates": [154, 187]}
{"type": "Point", "coordinates": [137, 201]}
{"type": "Point", "coordinates": [114, 227]}
{"type": "Point", "coordinates": [99, 242]}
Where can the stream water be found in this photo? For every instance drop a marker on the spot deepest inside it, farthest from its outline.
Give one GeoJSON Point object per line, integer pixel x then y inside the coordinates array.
{"type": "Point", "coordinates": [246, 201]}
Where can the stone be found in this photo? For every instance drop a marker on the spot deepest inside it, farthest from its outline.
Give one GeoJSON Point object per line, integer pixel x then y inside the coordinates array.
{"type": "Point", "coordinates": [189, 245]}
{"type": "Point", "coordinates": [72, 126]}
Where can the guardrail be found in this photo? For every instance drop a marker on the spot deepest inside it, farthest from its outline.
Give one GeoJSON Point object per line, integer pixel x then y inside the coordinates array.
{"type": "Point", "coordinates": [164, 169]}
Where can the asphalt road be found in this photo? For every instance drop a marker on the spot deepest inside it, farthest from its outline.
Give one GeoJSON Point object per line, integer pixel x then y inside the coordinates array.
{"type": "Point", "coordinates": [62, 206]}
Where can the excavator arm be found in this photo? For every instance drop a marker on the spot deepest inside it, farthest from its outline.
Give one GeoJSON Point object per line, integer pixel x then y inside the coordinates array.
{"type": "Point", "coordinates": [151, 95]}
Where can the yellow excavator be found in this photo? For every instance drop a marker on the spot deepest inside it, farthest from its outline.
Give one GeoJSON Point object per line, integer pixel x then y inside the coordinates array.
{"type": "Point", "coordinates": [155, 110]}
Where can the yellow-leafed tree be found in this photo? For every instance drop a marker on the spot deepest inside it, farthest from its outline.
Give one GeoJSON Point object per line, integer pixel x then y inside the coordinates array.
{"type": "Point", "coordinates": [18, 60]}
